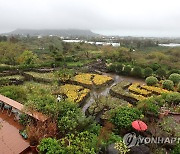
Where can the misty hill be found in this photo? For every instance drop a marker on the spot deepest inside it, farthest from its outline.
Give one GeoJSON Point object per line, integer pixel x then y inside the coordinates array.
{"type": "Point", "coordinates": [60, 32]}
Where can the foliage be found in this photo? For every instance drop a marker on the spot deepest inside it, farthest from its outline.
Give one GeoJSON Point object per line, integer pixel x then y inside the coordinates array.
{"type": "Point", "coordinates": [149, 106]}
{"type": "Point", "coordinates": [176, 150]}
{"type": "Point", "coordinates": [150, 81]}
{"type": "Point", "coordinates": [121, 147]}
{"type": "Point", "coordinates": [137, 71]}
{"type": "Point", "coordinates": [71, 118]}
{"type": "Point", "coordinates": [168, 84]}
{"type": "Point", "coordinates": [172, 98]}
{"type": "Point", "coordinates": [161, 73]}
{"type": "Point", "coordinates": [50, 146]}
{"type": "Point", "coordinates": [64, 74]}
{"type": "Point", "coordinates": [148, 72]}
{"type": "Point", "coordinates": [74, 93]}
{"type": "Point", "coordinates": [124, 116]}
{"type": "Point", "coordinates": [92, 79]}
{"type": "Point", "coordinates": [83, 142]}
{"type": "Point", "coordinates": [119, 68]}
{"type": "Point", "coordinates": [178, 87]}
{"type": "Point", "coordinates": [9, 52]}
{"type": "Point", "coordinates": [27, 58]}
{"type": "Point", "coordinates": [14, 92]}
{"type": "Point", "coordinates": [155, 90]}
{"type": "Point", "coordinates": [112, 68]}
{"type": "Point", "coordinates": [175, 78]}
{"type": "Point", "coordinates": [24, 119]}
{"type": "Point", "coordinates": [127, 70]}
{"type": "Point", "coordinates": [134, 88]}
{"type": "Point", "coordinates": [44, 103]}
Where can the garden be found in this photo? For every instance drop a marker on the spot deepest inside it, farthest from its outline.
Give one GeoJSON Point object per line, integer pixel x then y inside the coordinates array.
{"type": "Point", "coordinates": [89, 111]}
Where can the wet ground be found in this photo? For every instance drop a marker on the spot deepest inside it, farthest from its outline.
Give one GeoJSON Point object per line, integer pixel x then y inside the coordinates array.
{"type": "Point", "coordinates": [10, 140]}
{"type": "Point", "coordinates": [104, 91]}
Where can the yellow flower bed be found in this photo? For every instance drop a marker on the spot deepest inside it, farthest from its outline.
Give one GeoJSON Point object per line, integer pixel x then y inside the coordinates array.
{"type": "Point", "coordinates": [155, 89]}
{"type": "Point", "coordinates": [90, 79]}
{"type": "Point", "coordinates": [101, 79]}
{"type": "Point", "coordinates": [138, 97]}
{"type": "Point", "coordinates": [83, 78]}
{"type": "Point", "coordinates": [134, 88]}
{"type": "Point", "coordinates": [74, 93]}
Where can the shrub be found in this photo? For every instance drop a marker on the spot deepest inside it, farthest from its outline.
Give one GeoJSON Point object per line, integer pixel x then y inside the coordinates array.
{"type": "Point", "coordinates": [161, 73]}
{"type": "Point", "coordinates": [176, 150]}
{"type": "Point", "coordinates": [84, 142]}
{"type": "Point", "coordinates": [121, 147]}
{"type": "Point", "coordinates": [127, 70]}
{"type": "Point", "coordinates": [150, 81]}
{"type": "Point", "coordinates": [172, 98]}
{"type": "Point", "coordinates": [175, 78]}
{"type": "Point", "coordinates": [124, 116]}
{"type": "Point", "coordinates": [149, 106]}
{"type": "Point", "coordinates": [112, 68]}
{"type": "Point", "coordinates": [155, 66]}
{"type": "Point", "coordinates": [168, 84]}
{"type": "Point", "coordinates": [178, 87]}
{"type": "Point", "coordinates": [119, 68]}
{"type": "Point", "coordinates": [137, 71]}
{"type": "Point", "coordinates": [14, 92]}
{"type": "Point", "coordinates": [148, 72]}
{"type": "Point", "coordinates": [50, 146]}
{"type": "Point", "coordinates": [173, 71]}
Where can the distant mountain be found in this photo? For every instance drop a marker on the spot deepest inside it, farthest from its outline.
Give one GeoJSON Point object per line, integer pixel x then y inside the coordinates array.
{"type": "Point", "coordinates": [60, 32]}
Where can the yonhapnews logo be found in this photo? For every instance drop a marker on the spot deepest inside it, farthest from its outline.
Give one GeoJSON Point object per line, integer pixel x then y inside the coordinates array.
{"type": "Point", "coordinates": [131, 139]}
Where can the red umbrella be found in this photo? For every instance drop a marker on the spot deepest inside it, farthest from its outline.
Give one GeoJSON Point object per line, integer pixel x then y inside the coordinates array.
{"type": "Point", "coordinates": [139, 125]}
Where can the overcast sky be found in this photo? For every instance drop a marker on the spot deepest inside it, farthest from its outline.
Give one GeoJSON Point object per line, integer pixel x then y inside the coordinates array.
{"type": "Point", "coordinates": [109, 17]}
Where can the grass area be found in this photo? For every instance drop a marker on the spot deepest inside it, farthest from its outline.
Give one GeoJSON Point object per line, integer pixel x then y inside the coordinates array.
{"type": "Point", "coordinates": [49, 76]}
{"type": "Point", "coordinates": [18, 77]}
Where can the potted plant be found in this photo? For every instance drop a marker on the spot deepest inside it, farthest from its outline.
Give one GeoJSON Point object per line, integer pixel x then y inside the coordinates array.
{"type": "Point", "coordinates": [33, 142]}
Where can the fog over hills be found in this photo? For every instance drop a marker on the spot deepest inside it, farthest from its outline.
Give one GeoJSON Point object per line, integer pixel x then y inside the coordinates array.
{"type": "Point", "coordinates": [56, 32]}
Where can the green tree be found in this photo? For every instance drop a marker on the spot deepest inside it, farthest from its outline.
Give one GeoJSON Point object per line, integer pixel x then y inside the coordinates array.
{"type": "Point", "coordinates": [151, 81]}
{"type": "Point", "coordinates": [175, 78]}
{"type": "Point", "coordinates": [168, 84]}
{"type": "Point", "coordinates": [27, 58]}
{"type": "Point", "coordinates": [148, 72]}
{"type": "Point", "coordinates": [124, 116]}
{"type": "Point", "coordinates": [137, 71]}
{"type": "Point", "coordinates": [161, 73]}
{"type": "Point", "coordinates": [178, 87]}
{"type": "Point", "coordinates": [127, 70]}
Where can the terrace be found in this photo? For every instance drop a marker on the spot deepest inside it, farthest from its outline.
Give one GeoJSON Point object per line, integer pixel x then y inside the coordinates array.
{"type": "Point", "coordinates": [10, 139]}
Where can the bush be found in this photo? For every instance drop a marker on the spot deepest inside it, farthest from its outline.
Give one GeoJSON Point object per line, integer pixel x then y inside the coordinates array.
{"type": "Point", "coordinates": [127, 70]}
{"type": "Point", "coordinates": [14, 92]}
{"type": "Point", "coordinates": [176, 150]}
{"type": "Point", "coordinates": [148, 72]}
{"type": "Point", "coordinates": [178, 87]}
{"type": "Point", "coordinates": [71, 118]}
{"type": "Point", "coordinates": [119, 68]}
{"type": "Point", "coordinates": [149, 106]}
{"type": "Point", "coordinates": [121, 147]}
{"type": "Point", "coordinates": [50, 146]}
{"type": "Point", "coordinates": [111, 68]}
{"type": "Point", "coordinates": [173, 71]}
{"type": "Point", "coordinates": [161, 73]}
{"type": "Point", "coordinates": [155, 66]}
{"type": "Point", "coordinates": [83, 142]}
{"type": "Point", "coordinates": [175, 78]}
{"type": "Point", "coordinates": [168, 84]}
{"type": "Point", "coordinates": [151, 81]}
{"type": "Point", "coordinates": [137, 71]}
{"type": "Point", "coordinates": [123, 117]}
{"type": "Point", "coordinates": [172, 98]}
